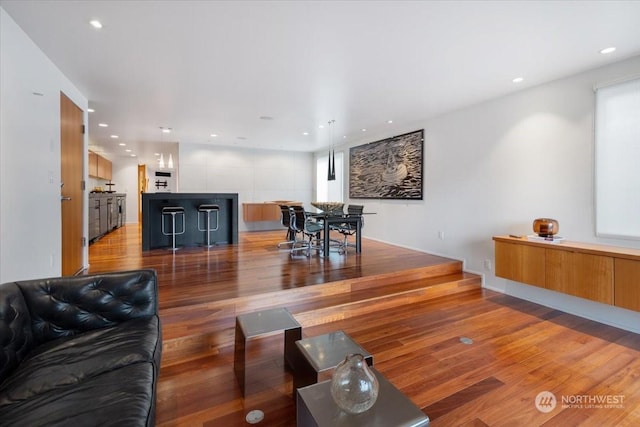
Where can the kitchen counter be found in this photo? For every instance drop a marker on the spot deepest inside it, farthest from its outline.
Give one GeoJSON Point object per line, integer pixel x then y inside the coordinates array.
{"type": "Point", "coordinates": [152, 204]}
{"type": "Point", "coordinates": [107, 211]}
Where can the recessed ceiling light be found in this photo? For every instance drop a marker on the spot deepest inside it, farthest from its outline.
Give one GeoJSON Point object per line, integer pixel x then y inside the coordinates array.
{"type": "Point", "coordinates": [389, 121]}
{"type": "Point", "coordinates": [518, 80]}
{"type": "Point", "coordinates": [114, 136]}
{"type": "Point", "coordinates": [103, 125]}
{"type": "Point", "coordinates": [122, 144]}
{"type": "Point", "coordinates": [213, 135]}
{"type": "Point", "coordinates": [127, 150]}
{"type": "Point", "coordinates": [363, 130]}
{"type": "Point", "coordinates": [95, 23]}
{"type": "Point", "coordinates": [607, 50]}
{"type": "Point", "coordinates": [242, 137]}
{"type": "Point", "coordinates": [320, 126]}
{"type": "Point", "coordinates": [91, 110]}
{"type": "Point", "coordinates": [165, 130]}
{"type": "Point", "coordinates": [305, 133]}
{"type": "Point", "coordinates": [133, 155]}
{"type": "Point", "coordinates": [156, 154]}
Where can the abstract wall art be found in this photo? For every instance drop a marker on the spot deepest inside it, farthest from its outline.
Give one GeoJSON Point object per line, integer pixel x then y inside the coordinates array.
{"type": "Point", "coordinates": [391, 168]}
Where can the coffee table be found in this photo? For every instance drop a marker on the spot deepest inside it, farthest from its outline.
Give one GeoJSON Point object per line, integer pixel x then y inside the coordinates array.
{"type": "Point", "coordinates": [252, 325]}
{"type": "Point", "coordinates": [317, 356]}
{"type": "Point", "coordinates": [315, 408]}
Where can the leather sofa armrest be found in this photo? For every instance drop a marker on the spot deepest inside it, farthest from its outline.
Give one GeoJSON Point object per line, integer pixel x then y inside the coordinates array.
{"type": "Point", "coordinates": [66, 306]}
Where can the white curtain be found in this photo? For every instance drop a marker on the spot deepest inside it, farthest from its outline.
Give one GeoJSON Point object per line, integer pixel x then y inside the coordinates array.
{"type": "Point", "coordinates": [617, 160]}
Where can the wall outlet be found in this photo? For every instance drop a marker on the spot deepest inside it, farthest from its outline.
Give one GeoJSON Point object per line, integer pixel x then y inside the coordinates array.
{"type": "Point", "coordinates": [441, 235]}
{"type": "Point", "coordinates": [487, 264]}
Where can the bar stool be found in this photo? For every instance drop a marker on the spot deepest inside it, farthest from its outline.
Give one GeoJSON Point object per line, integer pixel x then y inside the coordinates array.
{"type": "Point", "coordinates": [173, 211]}
{"type": "Point", "coordinates": [208, 209]}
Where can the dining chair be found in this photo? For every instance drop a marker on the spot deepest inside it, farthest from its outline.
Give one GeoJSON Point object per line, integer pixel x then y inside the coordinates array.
{"type": "Point", "coordinates": [349, 229]}
{"type": "Point", "coordinates": [285, 220]}
{"type": "Point", "coordinates": [310, 230]}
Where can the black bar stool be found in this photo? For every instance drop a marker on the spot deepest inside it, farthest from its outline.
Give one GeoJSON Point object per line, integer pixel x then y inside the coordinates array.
{"type": "Point", "coordinates": [173, 211]}
{"type": "Point", "coordinates": [208, 210]}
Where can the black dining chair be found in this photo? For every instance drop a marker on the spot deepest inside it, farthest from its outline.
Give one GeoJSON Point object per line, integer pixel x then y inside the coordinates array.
{"type": "Point", "coordinates": [349, 229]}
{"type": "Point", "coordinates": [285, 220]}
{"type": "Point", "coordinates": [310, 230]}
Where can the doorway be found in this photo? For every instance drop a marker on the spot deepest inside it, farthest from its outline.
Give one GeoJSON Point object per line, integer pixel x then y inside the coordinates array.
{"type": "Point", "coordinates": [71, 185]}
{"type": "Point", "coordinates": [142, 188]}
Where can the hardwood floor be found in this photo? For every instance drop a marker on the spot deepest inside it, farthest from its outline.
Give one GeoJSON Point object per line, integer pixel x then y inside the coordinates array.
{"type": "Point", "coordinates": [519, 348]}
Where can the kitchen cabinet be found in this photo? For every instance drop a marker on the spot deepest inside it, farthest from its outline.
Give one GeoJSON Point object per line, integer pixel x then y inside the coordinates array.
{"type": "Point", "coordinates": [111, 213]}
{"type": "Point", "coordinates": [606, 274]}
{"type": "Point", "coordinates": [99, 167]}
{"type": "Point", "coordinates": [94, 218]}
{"type": "Point", "coordinates": [104, 168]}
{"type": "Point", "coordinates": [107, 211]}
{"type": "Point", "coordinates": [104, 217]}
{"type": "Point", "coordinates": [121, 210]}
{"type": "Point", "coordinates": [93, 164]}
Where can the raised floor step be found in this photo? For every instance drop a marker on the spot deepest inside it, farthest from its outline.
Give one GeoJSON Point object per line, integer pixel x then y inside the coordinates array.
{"type": "Point", "coordinates": [202, 330]}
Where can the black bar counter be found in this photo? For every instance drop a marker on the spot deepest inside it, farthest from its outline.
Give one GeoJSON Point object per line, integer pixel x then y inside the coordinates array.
{"type": "Point", "coordinates": [152, 204]}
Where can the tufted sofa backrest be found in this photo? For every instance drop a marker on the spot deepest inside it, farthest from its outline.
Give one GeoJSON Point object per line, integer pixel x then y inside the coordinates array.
{"type": "Point", "coordinates": [66, 306]}
{"type": "Point", "coordinates": [16, 337]}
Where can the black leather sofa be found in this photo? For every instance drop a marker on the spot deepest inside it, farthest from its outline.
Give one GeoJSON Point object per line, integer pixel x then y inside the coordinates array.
{"type": "Point", "coordinates": [80, 351]}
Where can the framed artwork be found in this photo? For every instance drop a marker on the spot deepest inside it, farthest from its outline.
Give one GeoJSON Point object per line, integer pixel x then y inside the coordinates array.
{"type": "Point", "coordinates": [388, 169]}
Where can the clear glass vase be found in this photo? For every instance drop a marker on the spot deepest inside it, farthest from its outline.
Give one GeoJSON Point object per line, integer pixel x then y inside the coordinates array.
{"type": "Point", "coordinates": [354, 387]}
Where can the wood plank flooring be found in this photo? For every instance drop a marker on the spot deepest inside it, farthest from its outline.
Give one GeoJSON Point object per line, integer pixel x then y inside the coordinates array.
{"type": "Point", "coordinates": [519, 348]}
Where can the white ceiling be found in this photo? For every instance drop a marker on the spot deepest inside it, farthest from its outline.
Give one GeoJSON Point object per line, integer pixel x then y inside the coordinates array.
{"type": "Point", "coordinates": [203, 67]}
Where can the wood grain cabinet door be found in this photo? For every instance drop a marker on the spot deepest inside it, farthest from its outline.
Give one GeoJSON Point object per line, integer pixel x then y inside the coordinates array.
{"type": "Point", "coordinates": [580, 274]}
{"type": "Point", "coordinates": [520, 263]}
{"type": "Point", "coordinates": [627, 284]}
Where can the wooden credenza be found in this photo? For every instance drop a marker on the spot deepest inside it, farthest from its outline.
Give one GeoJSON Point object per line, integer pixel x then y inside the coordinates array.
{"type": "Point", "coordinates": [606, 274]}
{"type": "Point", "coordinates": [266, 211]}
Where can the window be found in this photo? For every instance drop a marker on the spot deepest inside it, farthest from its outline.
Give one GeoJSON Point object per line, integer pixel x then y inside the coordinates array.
{"type": "Point", "coordinates": [329, 191]}
{"type": "Point", "coordinates": [617, 156]}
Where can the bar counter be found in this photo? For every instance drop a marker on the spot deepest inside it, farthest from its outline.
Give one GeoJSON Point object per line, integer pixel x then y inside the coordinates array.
{"type": "Point", "coordinates": [152, 204]}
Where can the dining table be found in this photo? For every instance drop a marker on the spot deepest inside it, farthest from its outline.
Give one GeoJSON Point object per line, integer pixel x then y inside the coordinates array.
{"type": "Point", "coordinates": [331, 218]}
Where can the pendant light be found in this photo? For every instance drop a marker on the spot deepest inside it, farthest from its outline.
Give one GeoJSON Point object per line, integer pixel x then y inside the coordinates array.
{"type": "Point", "coordinates": [161, 164]}
{"type": "Point", "coordinates": [331, 169]}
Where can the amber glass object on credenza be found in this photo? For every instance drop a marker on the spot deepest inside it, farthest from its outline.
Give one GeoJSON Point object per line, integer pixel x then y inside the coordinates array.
{"type": "Point", "coordinates": [545, 227]}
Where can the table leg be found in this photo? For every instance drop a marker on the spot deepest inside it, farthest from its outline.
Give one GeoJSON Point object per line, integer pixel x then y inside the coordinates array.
{"type": "Point", "coordinates": [290, 350]}
{"type": "Point", "coordinates": [325, 238]}
{"type": "Point", "coordinates": [239, 357]}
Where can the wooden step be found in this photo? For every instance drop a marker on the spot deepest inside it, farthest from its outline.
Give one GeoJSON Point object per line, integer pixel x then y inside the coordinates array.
{"type": "Point", "coordinates": [202, 330]}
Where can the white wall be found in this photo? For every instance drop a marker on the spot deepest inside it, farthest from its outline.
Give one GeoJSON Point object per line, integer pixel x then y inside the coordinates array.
{"type": "Point", "coordinates": [492, 168]}
{"type": "Point", "coordinates": [256, 175]}
{"type": "Point", "coordinates": [30, 222]}
{"type": "Point", "coordinates": [171, 181]}
{"type": "Point", "coordinates": [124, 174]}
